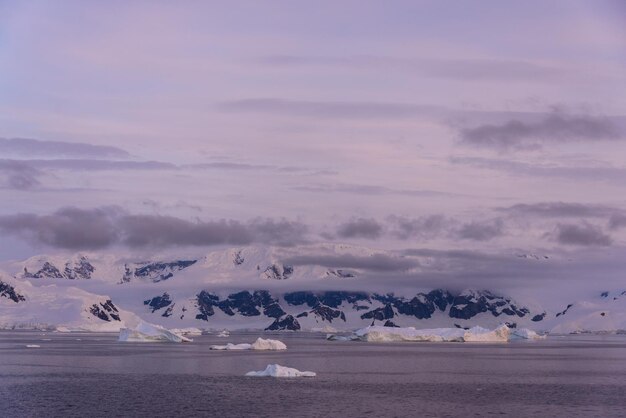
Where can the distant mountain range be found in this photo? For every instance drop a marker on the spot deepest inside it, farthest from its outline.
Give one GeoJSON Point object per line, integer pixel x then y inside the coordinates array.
{"type": "Point", "coordinates": [257, 288]}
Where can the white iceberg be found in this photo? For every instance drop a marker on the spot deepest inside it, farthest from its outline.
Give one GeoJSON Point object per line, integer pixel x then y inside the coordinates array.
{"type": "Point", "coordinates": [526, 334]}
{"type": "Point", "coordinates": [475, 334]}
{"type": "Point", "coordinates": [145, 332]}
{"type": "Point", "coordinates": [276, 370]}
{"type": "Point", "coordinates": [335, 337]}
{"type": "Point", "coordinates": [187, 331]}
{"type": "Point", "coordinates": [33, 346]}
{"type": "Point", "coordinates": [224, 333]}
{"type": "Point", "coordinates": [259, 344]}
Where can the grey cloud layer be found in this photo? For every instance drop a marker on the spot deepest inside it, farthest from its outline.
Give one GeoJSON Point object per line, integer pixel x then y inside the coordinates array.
{"type": "Point", "coordinates": [74, 228]}
{"type": "Point", "coordinates": [555, 127]}
{"type": "Point", "coordinates": [36, 148]}
{"type": "Point", "coordinates": [18, 175]}
{"type": "Point", "coordinates": [360, 228]}
{"type": "Point", "coordinates": [583, 234]}
{"type": "Point", "coordinates": [561, 210]}
{"type": "Point", "coordinates": [604, 173]}
{"type": "Point", "coordinates": [375, 262]}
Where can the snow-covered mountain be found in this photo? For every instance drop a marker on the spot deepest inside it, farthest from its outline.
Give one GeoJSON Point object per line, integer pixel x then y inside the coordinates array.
{"type": "Point", "coordinates": [262, 288]}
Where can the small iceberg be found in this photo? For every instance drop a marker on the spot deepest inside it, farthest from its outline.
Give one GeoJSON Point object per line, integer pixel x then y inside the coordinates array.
{"type": "Point", "coordinates": [223, 333]}
{"type": "Point", "coordinates": [475, 334]}
{"type": "Point", "coordinates": [33, 346]}
{"type": "Point", "coordinates": [145, 332]}
{"type": "Point", "coordinates": [259, 344]}
{"type": "Point", "coordinates": [334, 337]}
{"type": "Point", "coordinates": [187, 331]}
{"type": "Point", "coordinates": [276, 370]}
{"type": "Point", "coordinates": [526, 334]}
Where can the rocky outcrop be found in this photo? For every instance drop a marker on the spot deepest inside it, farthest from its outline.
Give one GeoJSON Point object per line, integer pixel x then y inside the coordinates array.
{"type": "Point", "coordinates": [288, 323]}
{"type": "Point", "coordinates": [9, 292]}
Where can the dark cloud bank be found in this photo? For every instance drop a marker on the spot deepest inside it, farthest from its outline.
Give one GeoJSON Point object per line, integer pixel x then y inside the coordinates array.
{"type": "Point", "coordinates": [27, 147]}
{"type": "Point", "coordinates": [73, 228]}
{"type": "Point", "coordinates": [528, 135]}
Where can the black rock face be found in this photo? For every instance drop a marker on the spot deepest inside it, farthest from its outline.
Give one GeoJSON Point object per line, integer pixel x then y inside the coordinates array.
{"type": "Point", "coordinates": [327, 313]}
{"type": "Point", "coordinates": [379, 314]}
{"type": "Point", "coordinates": [158, 302]}
{"type": "Point", "coordinates": [106, 311]}
{"type": "Point", "coordinates": [538, 317]}
{"type": "Point", "coordinates": [468, 305]}
{"type": "Point", "coordinates": [238, 259]}
{"type": "Point", "coordinates": [390, 324]}
{"type": "Point", "coordinates": [156, 272]}
{"type": "Point", "coordinates": [8, 291]}
{"type": "Point", "coordinates": [205, 302]}
{"type": "Point", "coordinates": [277, 272]}
{"type": "Point", "coordinates": [565, 310]}
{"type": "Point", "coordinates": [81, 269]}
{"type": "Point", "coordinates": [288, 323]}
{"type": "Point", "coordinates": [243, 303]}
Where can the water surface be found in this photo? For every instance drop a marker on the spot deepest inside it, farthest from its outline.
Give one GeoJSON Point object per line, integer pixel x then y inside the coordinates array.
{"type": "Point", "coordinates": [94, 375]}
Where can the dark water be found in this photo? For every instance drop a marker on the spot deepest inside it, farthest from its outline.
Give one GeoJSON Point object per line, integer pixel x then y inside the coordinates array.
{"type": "Point", "coordinates": [574, 376]}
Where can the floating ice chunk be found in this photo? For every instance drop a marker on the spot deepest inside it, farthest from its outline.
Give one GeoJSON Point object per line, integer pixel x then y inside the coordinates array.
{"type": "Point", "coordinates": [275, 370]}
{"type": "Point", "coordinates": [33, 346]}
{"type": "Point", "coordinates": [259, 344]}
{"type": "Point", "coordinates": [526, 334]}
{"type": "Point", "coordinates": [187, 331]}
{"type": "Point", "coordinates": [224, 333]}
{"type": "Point", "coordinates": [334, 337]}
{"type": "Point", "coordinates": [63, 329]}
{"type": "Point", "coordinates": [230, 346]}
{"type": "Point", "coordinates": [392, 334]}
{"type": "Point", "coordinates": [475, 334]}
{"type": "Point", "coordinates": [145, 332]}
{"type": "Point", "coordinates": [267, 344]}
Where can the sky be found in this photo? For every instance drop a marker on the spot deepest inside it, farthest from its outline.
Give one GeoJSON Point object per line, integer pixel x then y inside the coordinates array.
{"type": "Point", "coordinates": [491, 126]}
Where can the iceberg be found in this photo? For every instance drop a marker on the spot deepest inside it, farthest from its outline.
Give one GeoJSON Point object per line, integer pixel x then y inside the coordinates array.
{"type": "Point", "coordinates": [187, 331]}
{"type": "Point", "coordinates": [259, 344]}
{"type": "Point", "coordinates": [224, 333]}
{"type": "Point", "coordinates": [335, 337]}
{"type": "Point", "coordinates": [33, 346]}
{"type": "Point", "coordinates": [276, 370]}
{"type": "Point", "coordinates": [526, 334]}
{"type": "Point", "coordinates": [475, 334]}
{"type": "Point", "coordinates": [145, 332]}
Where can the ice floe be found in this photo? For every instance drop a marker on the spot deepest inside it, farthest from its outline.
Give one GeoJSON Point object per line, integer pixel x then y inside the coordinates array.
{"type": "Point", "coordinates": [476, 334]}
{"type": "Point", "coordinates": [33, 346]}
{"type": "Point", "coordinates": [223, 333]}
{"type": "Point", "coordinates": [276, 370]}
{"type": "Point", "coordinates": [145, 332]}
{"type": "Point", "coordinates": [259, 344]}
{"type": "Point", "coordinates": [335, 337]}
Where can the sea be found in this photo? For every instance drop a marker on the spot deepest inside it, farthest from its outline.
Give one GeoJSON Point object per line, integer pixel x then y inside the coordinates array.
{"type": "Point", "coordinates": [94, 375]}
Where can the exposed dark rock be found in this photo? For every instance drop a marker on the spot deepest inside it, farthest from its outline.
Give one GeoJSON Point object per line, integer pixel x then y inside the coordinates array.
{"type": "Point", "coordinates": [8, 291]}
{"type": "Point", "coordinates": [302, 315]}
{"type": "Point", "coordinates": [390, 324]}
{"type": "Point", "coordinates": [278, 271]}
{"type": "Point", "coordinates": [106, 311]}
{"type": "Point", "coordinates": [379, 314]}
{"type": "Point", "coordinates": [158, 302]}
{"type": "Point", "coordinates": [327, 313]}
{"type": "Point", "coordinates": [238, 259]}
{"type": "Point", "coordinates": [288, 323]}
{"type": "Point", "coordinates": [206, 301]}
{"type": "Point", "coordinates": [538, 317]}
{"type": "Point", "coordinates": [565, 311]}
{"type": "Point", "coordinates": [156, 272]}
